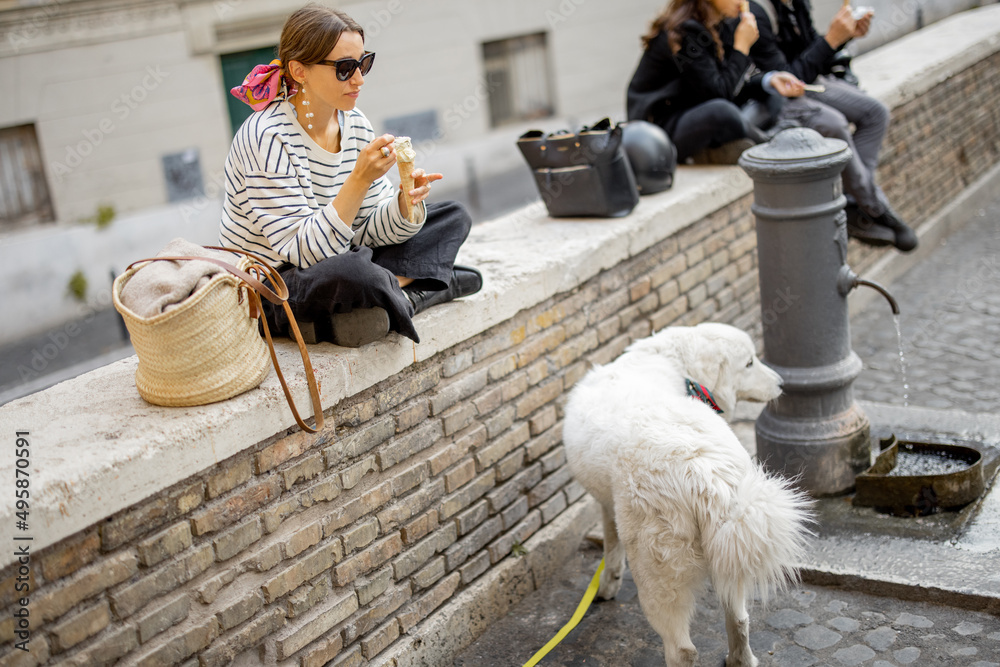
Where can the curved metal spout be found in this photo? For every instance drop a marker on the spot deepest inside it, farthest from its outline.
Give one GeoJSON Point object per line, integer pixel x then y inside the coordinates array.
{"type": "Point", "coordinates": [882, 290]}
{"type": "Point", "coordinates": [848, 280]}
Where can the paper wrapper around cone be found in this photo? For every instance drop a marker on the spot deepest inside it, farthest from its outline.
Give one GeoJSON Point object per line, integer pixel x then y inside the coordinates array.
{"type": "Point", "coordinates": [406, 180]}
{"type": "Point", "coordinates": [406, 166]}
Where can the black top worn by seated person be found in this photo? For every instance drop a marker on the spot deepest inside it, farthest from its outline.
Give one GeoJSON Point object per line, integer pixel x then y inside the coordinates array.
{"type": "Point", "coordinates": [666, 84]}
{"type": "Point", "coordinates": [796, 48]}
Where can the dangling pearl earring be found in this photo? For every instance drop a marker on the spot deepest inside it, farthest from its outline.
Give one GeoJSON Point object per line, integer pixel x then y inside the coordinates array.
{"type": "Point", "coordinates": [309, 114]}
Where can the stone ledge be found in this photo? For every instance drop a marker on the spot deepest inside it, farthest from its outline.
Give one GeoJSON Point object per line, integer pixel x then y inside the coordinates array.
{"type": "Point", "coordinates": [98, 448]}
{"type": "Point", "coordinates": [910, 66]}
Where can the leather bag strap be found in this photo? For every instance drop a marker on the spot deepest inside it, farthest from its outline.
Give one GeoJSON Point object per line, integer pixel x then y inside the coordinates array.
{"type": "Point", "coordinates": [279, 295]}
{"type": "Point", "coordinates": [310, 377]}
{"type": "Point", "coordinates": [275, 296]}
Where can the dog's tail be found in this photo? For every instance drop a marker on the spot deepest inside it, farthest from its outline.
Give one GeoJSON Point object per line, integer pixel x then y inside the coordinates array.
{"type": "Point", "coordinates": [754, 545]}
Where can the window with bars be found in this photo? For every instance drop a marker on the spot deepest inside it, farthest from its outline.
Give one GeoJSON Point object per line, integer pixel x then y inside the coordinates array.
{"type": "Point", "coordinates": [518, 79]}
{"type": "Point", "coordinates": [24, 192]}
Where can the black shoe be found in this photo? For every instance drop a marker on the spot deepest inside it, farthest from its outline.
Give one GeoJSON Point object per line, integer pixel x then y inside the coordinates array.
{"type": "Point", "coordinates": [465, 280]}
{"type": "Point", "coordinates": [905, 239]}
{"type": "Point", "coordinates": [354, 329]}
{"type": "Point", "coordinates": [864, 228]}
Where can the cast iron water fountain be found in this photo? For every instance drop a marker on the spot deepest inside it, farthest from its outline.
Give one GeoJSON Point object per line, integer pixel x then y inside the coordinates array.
{"type": "Point", "coordinates": [815, 432]}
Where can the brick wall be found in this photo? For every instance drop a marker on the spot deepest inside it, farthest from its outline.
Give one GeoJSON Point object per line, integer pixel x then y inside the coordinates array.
{"type": "Point", "coordinates": [325, 549]}
{"type": "Point", "coordinates": [329, 546]}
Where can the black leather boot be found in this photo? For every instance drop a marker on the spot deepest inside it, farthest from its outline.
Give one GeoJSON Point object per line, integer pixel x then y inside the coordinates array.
{"type": "Point", "coordinates": [866, 229]}
{"type": "Point", "coordinates": [905, 238]}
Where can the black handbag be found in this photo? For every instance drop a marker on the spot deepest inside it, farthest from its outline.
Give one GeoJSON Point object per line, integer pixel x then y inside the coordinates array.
{"type": "Point", "coordinates": [582, 174]}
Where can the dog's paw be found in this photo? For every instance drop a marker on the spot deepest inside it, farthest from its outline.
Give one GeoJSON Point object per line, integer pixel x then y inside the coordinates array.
{"type": "Point", "coordinates": [610, 585]}
{"type": "Point", "coordinates": [688, 657]}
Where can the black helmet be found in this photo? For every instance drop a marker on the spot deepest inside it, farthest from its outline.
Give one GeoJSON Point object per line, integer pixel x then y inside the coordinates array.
{"type": "Point", "coordinates": [652, 155]}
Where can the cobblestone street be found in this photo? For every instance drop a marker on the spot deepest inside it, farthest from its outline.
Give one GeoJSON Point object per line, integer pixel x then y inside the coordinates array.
{"type": "Point", "coordinates": [950, 324]}
{"type": "Point", "coordinates": [808, 625]}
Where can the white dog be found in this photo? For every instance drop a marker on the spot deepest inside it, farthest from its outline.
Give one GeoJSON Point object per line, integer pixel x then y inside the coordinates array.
{"type": "Point", "coordinates": [679, 492]}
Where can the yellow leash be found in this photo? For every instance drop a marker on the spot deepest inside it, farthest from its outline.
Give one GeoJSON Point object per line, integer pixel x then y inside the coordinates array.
{"type": "Point", "coordinates": [581, 609]}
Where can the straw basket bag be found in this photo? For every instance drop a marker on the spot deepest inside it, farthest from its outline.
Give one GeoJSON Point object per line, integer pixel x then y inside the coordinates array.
{"type": "Point", "coordinates": [208, 348]}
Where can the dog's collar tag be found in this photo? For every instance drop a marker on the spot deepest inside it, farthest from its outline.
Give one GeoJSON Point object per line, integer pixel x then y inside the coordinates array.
{"type": "Point", "coordinates": [702, 393]}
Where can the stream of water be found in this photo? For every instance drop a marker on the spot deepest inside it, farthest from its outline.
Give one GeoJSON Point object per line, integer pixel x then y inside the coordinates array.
{"type": "Point", "coordinates": [902, 361]}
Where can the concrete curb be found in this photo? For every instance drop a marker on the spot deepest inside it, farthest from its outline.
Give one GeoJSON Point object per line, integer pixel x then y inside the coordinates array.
{"type": "Point", "coordinates": [961, 599]}
{"type": "Point", "coordinates": [943, 573]}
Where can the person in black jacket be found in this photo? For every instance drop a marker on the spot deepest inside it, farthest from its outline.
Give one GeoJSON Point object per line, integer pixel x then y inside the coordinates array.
{"type": "Point", "coordinates": [691, 80]}
{"type": "Point", "coordinates": [796, 47]}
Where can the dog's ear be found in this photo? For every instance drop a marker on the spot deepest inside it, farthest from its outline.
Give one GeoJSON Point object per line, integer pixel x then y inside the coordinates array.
{"type": "Point", "coordinates": [708, 359]}
{"type": "Point", "coordinates": [725, 391]}
{"type": "Point", "coordinates": [703, 357]}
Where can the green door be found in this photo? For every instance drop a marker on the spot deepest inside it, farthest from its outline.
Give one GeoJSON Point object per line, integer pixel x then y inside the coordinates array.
{"type": "Point", "coordinates": [235, 67]}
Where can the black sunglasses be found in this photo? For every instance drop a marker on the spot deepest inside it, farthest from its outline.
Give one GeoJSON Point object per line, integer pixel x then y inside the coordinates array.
{"type": "Point", "coordinates": [346, 66]}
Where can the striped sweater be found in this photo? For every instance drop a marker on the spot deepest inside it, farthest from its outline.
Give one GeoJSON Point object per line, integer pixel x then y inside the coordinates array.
{"type": "Point", "coordinates": [280, 186]}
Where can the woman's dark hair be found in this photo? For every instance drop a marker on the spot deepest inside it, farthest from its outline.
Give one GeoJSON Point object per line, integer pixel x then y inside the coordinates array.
{"type": "Point", "coordinates": [676, 13]}
{"type": "Point", "coordinates": [311, 33]}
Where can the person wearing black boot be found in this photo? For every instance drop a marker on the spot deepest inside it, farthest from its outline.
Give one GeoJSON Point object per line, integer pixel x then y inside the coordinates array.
{"type": "Point", "coordinates": [692, 80]}
{"type": "Point", "coordinates": [306, 188]}
{"type": "Point", "coordinates": [788, 41]}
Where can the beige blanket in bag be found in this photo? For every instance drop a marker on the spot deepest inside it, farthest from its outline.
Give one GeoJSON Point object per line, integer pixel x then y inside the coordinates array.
{"type": "Point", "coordinates": [159, 286]}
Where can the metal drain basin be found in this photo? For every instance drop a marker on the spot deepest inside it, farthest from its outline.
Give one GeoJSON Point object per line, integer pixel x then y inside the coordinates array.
{"type": "Point", "coordinates": [919, 478]}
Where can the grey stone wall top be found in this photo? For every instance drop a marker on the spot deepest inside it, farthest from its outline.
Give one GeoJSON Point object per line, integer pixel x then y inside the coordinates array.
{"type": "Point", "coordinates": [910, 66]}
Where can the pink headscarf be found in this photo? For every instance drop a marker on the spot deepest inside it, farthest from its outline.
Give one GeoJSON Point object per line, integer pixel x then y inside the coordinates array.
{"type": "Point", "coordinates": [261, 86]}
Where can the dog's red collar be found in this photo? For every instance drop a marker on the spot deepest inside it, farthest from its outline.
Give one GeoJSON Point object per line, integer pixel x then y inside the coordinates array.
{"type": "Point", "coordinates": [702, 393]}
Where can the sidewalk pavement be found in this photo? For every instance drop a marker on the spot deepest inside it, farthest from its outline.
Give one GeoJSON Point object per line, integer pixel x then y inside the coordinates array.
{"type": "Point", "coordinates": [877, 590]}
{"type": "Point", "coordinates": [807, 625]}
{"type": "Point", "coordinates": [40, 361]}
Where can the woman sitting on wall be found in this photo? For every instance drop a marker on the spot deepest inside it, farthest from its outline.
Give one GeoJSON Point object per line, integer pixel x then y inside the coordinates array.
{"type": "Point", "coordinates": [692, 79]}
{"type": "Point", "coordinates": [306, 189]}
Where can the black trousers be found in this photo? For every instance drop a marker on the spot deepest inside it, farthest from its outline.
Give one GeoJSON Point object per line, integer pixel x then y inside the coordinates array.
{"type": "Point", "coordinates": [708, 125]}
{"type": "Point", "coordinates": [366, 277]}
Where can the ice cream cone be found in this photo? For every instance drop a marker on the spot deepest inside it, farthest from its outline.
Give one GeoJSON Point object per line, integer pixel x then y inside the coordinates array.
{"type": "Point", "coordinates": [406, 162]}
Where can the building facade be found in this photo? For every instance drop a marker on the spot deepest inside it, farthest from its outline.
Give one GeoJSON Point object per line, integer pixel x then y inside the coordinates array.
{"type": "Point", "coordinates": [125, 104]}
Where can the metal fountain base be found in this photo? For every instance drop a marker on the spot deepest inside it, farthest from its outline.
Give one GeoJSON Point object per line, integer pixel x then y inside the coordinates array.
{"type": "Point", "coordinates": [822, 456]}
